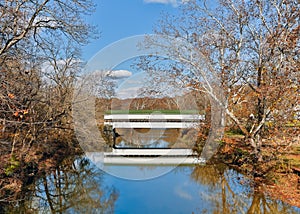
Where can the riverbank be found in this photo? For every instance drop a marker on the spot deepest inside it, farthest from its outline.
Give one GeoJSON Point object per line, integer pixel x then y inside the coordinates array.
{"type": "Point", "coordinates": [278, 173]}
{"type": "Point", "coordinates": [19, 170]}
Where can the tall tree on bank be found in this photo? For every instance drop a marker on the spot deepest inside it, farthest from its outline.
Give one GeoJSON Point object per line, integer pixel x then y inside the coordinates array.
{"type": "Point", "coordinates": [40, 43]}
{"type": "Point", "coordinates": [252, 47]}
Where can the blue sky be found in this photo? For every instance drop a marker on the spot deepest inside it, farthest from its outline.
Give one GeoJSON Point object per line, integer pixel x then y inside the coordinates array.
{"type": "Point", "coordinates": [118, 19]}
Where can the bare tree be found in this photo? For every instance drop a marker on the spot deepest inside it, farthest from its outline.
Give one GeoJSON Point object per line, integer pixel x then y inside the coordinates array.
{"type": "Point", "coordinates": [40, 40]}
{"type": "Point", "coordinates": [252, 47]}
{"type": "Point", "coordinates": [40, 43]}
{"type": "Point", "coordinates": [23, 20]}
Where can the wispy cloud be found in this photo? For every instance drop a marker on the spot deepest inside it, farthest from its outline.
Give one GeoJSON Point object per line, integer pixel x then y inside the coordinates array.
{"type": "Point", "coordinates": [174, 3]}
{"type": "Point", "coordinates": [182, 193]}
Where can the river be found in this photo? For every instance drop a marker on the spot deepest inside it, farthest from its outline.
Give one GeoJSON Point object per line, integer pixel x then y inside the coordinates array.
{"type": "Point", "coordinates": [77, 185]}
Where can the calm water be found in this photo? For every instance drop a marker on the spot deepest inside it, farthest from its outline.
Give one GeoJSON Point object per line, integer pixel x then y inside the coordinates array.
{"type": "Point", "coordinates": [179, 191]}
{"type": "Point", "coordinates": [156, 138]}
{"type": "Point", "coordinates": [79, 186]}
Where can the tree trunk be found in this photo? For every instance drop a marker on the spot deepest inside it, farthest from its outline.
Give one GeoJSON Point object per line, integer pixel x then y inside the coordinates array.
{"type": "Point", "coordinates": [256, 144]}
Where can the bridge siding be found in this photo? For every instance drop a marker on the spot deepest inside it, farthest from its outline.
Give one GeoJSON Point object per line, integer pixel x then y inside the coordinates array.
{"type": "Point", "coordinates": [151, 117]}
{"type": "Point", "coordinates": [149, 125]}
{"type": "Point", "coordinates": [152, 161]}
{"type": "Point", "coordinates": [150, 152]}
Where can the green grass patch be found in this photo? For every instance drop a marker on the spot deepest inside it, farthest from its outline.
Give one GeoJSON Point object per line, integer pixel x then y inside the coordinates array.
{"type": "Point", "coordinates": [154, 111]}
{"type": "Point", "coordinates": [234, 134]}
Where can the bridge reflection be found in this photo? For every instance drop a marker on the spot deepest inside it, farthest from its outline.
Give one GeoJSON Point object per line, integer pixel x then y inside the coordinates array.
{"type": "Point", "coordinates": [147, 156]}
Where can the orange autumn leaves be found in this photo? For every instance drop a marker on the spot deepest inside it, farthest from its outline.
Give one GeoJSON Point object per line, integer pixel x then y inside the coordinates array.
{"type": "Point", "coordinates": [18, 113]}
{"type": "Point", "coordinates": [11, 96]}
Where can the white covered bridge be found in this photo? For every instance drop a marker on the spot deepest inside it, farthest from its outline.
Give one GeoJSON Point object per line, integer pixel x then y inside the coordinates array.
{"type": "Point", "coordinates": [146, 156]}
{"type": "Point", "coordinates": [153, 120]}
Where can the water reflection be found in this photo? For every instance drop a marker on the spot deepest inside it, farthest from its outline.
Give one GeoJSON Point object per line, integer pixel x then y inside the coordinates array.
{"type": "Point", "coordinates": [80, 187]}
{"type": "Point", "coordinates": [73, 187]}
{"type": "Point", "coordinates": [156, 138]}
{"type": "Point", "coordinates": [194, 189]}
{"type": "Point", "coordinates": [230, 192]}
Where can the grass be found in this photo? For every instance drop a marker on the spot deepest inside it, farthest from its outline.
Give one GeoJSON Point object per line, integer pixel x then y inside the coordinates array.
{"type": "Point", "coordinates": [234, 133]}
{"type": "Point", "coordinates": [154, 111]}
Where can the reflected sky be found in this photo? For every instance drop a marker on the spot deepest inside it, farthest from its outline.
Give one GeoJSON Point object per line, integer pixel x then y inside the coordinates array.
{"type": "Point", "coordinates": [173, 192]}
{"type": "Point", "coordinates": [190, 189]}
{"type": "Point", "coordinates": [81, 187]}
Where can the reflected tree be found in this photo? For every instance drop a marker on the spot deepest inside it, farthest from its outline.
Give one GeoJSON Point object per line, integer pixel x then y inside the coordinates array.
{"type": "Point", "coordinates": [75, 186]}
{"type": "Point", "coordinates": [229, 194]}
{"type": "Point", "coordinates": [262, 204]}
{"type": "Point", "coordinates": [170, 138]}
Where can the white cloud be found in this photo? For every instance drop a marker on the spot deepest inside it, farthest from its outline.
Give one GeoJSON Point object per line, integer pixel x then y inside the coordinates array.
{"type": "Point", "coordinates": [183, 194]}
{"type": "Point", "coordinates": [174, 3]}
{"type": "Point", "coordinates": [52, 70]}
{"type": "Point", "coordinates": [119, 74]}
{"type": "Point", "coordinates": [50, 67]}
